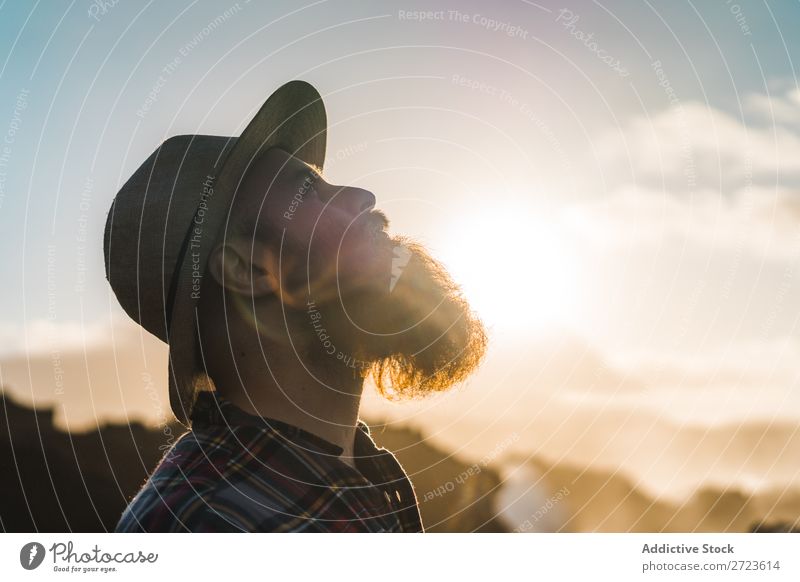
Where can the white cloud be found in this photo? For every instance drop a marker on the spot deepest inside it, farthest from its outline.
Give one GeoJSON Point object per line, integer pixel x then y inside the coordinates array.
{"type": "Point", "coordinates": [43, 336]}
{"type": "Point", "coordinates": [101, 371]}
{"type": "Point", "coordinates": [761, 221]}
{"type": "Point", "coordinates": [694, 146]}
{"type": "Point", "coordinates": [737, 364]}
{"type": "Point", "coordinates": [698, 174]}
{"type": "Point", "coordinates": [777, 109]}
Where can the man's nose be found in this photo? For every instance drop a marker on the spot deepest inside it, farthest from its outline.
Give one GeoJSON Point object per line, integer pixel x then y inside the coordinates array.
{"type": "Point", "coordinates": [353, 200]}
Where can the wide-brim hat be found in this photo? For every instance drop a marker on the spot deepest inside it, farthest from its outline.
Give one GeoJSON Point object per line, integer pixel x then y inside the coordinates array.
{"type": "Point", "coordinates": [170, 214]}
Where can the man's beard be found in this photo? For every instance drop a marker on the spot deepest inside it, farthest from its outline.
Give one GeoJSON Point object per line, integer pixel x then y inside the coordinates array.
{"type": "Point", "coordinates": [401, 320]}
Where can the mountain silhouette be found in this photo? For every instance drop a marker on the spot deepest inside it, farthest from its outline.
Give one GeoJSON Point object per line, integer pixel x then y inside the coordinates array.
{"type": "Point", "coordinates": [57, 481]}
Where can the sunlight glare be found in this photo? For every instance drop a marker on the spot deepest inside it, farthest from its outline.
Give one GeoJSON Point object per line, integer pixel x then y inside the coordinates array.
{"type": "Point", "coordinates": [516, 269]}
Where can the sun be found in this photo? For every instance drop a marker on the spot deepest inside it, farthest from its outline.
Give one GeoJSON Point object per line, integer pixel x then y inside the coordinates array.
{"type": "Point", "coordinates": [516, 268]}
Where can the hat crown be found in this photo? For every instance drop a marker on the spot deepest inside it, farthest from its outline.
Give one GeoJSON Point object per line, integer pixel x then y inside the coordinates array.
{"type": "Point", "coordinates": [148, 223]}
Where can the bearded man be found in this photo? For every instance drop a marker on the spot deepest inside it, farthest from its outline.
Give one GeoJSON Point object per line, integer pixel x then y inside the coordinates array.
{"type": "Point", "coordinates": [279, 294]}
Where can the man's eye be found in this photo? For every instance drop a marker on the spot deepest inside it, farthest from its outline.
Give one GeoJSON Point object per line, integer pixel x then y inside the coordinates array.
{"type": "Point", "coordinates": [309, 183]}
{"type": "Point", "coordinates": [314, 177]}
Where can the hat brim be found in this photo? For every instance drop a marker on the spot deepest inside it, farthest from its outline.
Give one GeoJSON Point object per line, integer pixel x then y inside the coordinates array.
{"type": "Point", "coordinates": [292, 118]}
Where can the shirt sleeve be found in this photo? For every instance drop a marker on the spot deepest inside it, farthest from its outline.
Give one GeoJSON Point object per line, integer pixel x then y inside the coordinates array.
{"type": "Point", "coordinates": [216, 518]}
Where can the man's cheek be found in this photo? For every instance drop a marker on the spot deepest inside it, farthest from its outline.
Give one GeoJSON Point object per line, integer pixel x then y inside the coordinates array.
{"type": "Point", "coordinates": [363, 259]}
{"type": "Point", "coordinates": [306, 225]}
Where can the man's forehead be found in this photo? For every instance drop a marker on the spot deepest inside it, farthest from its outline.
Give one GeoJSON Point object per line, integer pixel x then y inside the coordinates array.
{"type": "Point", "coordinates": [278, 160]}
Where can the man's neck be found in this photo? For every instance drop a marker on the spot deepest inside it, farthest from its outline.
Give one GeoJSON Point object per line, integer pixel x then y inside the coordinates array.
{"type": "Point", "coordinates": [286, 378]}
{"type": "Point", "coordinates": [327, 411]}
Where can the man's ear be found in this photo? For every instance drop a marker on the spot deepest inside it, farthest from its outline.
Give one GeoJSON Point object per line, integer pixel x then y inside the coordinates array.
{"type": "Point", "coordinates": [241, 267]}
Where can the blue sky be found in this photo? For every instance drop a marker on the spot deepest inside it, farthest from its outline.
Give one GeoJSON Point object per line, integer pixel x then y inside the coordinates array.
{"type": "Point", "coordinates": [87, 77]}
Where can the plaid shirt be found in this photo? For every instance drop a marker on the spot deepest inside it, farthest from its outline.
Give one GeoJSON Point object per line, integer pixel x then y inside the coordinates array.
{"type": "Point", "coordinates": [238, 472]}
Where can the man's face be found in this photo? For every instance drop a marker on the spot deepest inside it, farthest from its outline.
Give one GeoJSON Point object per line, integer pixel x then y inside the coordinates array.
{"type": "Point", "coordinates": [330, 233]}
{"type": "Point", "coordinates": [384, 304]}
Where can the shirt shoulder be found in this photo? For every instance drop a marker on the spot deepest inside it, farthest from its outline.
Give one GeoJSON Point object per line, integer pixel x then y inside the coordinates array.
{"type": "Point", "coordinates": [247, 479]}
